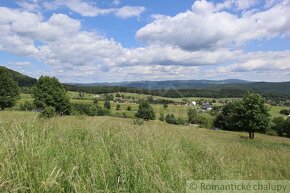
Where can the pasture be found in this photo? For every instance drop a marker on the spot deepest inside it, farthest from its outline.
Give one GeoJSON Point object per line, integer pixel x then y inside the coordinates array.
{"type": "Point", "coordinates": [109, 154]}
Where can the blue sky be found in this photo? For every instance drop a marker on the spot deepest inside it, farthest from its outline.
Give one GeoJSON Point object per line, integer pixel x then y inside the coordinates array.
{"type": "Point", "coordinates": [126, 40]}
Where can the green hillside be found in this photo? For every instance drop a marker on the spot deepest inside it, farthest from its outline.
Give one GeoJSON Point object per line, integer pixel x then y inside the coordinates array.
{"type": "Point", "coordinates": [106, 154]}
{"type": "Point", "coordinates": [21, 79]}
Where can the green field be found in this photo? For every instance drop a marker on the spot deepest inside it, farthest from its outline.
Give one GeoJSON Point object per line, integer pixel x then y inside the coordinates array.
{"type": "Point", "coordinates": [179, 111]}
{"type": "Point", "coordinates": [106, 154]}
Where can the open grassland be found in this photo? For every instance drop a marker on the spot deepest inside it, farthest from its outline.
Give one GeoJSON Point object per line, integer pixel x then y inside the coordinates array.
{"type": "Point", "coordinates": [105, 154]}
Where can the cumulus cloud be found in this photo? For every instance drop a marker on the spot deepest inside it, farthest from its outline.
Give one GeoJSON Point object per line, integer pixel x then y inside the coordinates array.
{"type": "Point", "coordinates": [83, 7]}
{"type": "Point", "coordinates": [259, 61]}
{"type": "Point", "coordinates": [195, 44]}
{"type": "Point", "coordinates": [207, 26]}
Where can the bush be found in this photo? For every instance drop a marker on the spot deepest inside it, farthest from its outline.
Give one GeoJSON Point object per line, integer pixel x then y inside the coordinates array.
{"type": "Point", "coordinates": [118, 106]}
{"type": "Point", "coordinates": [96, 101]}
{"type": "Point", "coordinates": [89, 109]}
{"type": "Point", "coordinates": [107, 105]}
{"type": "Point", "coordinates": [192, 113]}
{"type": "Point", "coordinates": [81, 109]}
{"type": "Point", "coordinates": [203, 120]}
{"type": "Point", "coordinates": [125, 115]}
{"type": "Point", "coordinates": [138, 121]}
{"type": "Point", "coordinates": [103, 112]}
{"type": "Point", "coordinates": [161, 118]}
{"type": "Point", "coordinates": [129, 108]}
{"type": "Point", "coordinates": [278, 125]}
{"type": "Point", "coordinates": [285, 112]}
{"type": "Point", "coordinates": [27, 106]}
{"type": "Point", "coordinates": [48, 112]}
{"type": "Point", "coordinates": [145, 111]}
{"type": "Point", "coordinates": [271, 131]}
{"type": "Point", "coordinates": [170, 119]}
{"type": "Point", "coordinates": [165, 105]}
{"type": "Point", "coordinates": [181, 122]}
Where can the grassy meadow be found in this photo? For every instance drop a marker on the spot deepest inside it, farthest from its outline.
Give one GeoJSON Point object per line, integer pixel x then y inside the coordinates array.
{"type": "Point", "coordinates": [109, 154]}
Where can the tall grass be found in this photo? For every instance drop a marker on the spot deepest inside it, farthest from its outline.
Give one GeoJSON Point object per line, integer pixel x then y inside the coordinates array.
{"type": "Point", "coordinates": [105, 154]}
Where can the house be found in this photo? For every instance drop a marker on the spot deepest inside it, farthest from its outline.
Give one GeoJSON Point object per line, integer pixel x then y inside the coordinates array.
{"type": "Point", "coordinates": [206, 106]}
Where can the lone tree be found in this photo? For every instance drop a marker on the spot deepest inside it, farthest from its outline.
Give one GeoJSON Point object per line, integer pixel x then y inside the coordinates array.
{"type": "Point", "coordinates": [49, 92]}
{"type": "Point", "coordinates": [9, 91]}
{"type": "Point", "coordinates": [250, 114]}
{"type": "Point", "coordinates": [145, 111]}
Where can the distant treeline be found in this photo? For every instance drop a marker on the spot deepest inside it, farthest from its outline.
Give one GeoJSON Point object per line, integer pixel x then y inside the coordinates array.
{"type": "Point", "coordinates": [173, 93]}
{"type": "Point", "coordinates": [278, 91]}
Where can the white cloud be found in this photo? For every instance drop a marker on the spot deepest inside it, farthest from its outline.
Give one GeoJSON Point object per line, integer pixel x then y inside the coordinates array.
{"type": "Point", "coordinates": [237, 5]}
{"type": "Point", "coordinates": [206, 27]}
{"type": "Point", "coordinates": [89, 9]}
{"type": "Point", "coordinates": [259, 61]}
{"type": "Point", "coordinates": [191, 45]}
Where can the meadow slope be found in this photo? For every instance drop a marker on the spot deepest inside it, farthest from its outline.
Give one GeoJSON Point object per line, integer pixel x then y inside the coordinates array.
{"type": "Point", "coordinates": [107, 154]}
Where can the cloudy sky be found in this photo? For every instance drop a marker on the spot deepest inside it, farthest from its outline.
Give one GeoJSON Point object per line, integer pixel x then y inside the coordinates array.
{"type": "Point", "coordinates": [124, 40]}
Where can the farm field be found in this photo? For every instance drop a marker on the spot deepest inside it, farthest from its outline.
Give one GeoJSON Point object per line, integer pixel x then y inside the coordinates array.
{"type": "Point", "coordinates": [179, 111]}
{"type": "Point", "coordinates": [108, 154]}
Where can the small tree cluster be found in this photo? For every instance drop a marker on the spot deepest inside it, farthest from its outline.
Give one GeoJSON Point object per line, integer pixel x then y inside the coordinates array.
{"type": "Point", "coordinates": [145, 111]}
{"type": "Point", "coordinates": [249, 114]}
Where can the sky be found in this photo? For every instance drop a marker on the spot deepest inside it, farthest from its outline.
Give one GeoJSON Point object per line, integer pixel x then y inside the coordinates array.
{"type": "Point", "coordinates": [86, 41]}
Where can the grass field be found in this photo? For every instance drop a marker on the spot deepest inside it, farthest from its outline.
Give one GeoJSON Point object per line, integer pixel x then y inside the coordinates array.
{"type": "Point", "coordinates": [179, 111]}
{"type": "Point", "coordinates": [106, 154]}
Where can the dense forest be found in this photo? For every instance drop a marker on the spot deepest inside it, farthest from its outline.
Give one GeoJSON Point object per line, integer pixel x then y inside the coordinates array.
{"type": "Point", "coordinates": [21, 79]}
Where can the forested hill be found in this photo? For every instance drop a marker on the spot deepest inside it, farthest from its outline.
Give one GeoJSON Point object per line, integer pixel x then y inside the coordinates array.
{"type": "Point", "coordinates": [174, 88]}
{"type": "Point", "coordinates": [21, 79]}
{"type": "Point", "coordinates": [170, 84]}
{"type": "Point", "coordinates": [190, 88]}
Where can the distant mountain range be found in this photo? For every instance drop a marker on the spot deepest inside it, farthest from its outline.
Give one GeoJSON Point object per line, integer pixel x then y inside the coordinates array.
{"type": "Point", "coordinates": [168, 84]}
{"type": "Point", "coordinates": [228, 85]}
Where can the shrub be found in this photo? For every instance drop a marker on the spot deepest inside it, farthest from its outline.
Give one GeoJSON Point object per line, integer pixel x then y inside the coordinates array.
{"type": "Point", "coordinates": [118, 106]}
{"type": "Point", "coordinates": [192, 113]}
{"type": "Point", "coordinates": [170, 119]}
{"type": "Point", "coordinates": [138, 121]}
{"type": "Point", "coordinates": [165, 105]}
{"type": "Point", "coordinates": [129, 108]}
{"type": "Point", "coordinates": [48, 112]}
{"type": "Point", "coordinates": [145, 111]}
{"type": "Point", "coordinates": [89, 109]}
{"type": "Point", "coordinates": [285, 112]}
{"type": "Point", "coordinates": [107, 105]}
{"type": "Point", "coordinates": [81, 109]}
{"type": "Point", "coordinates": [27, 106]}
{"type": "Point", "coordinates": [96, 101]}
{"type": "Point", "coordinates": [181, 122]}
{"type": "Point", "coordinates": [278, 125]}
{"type": "Point", "coordinates": [203, 120]}
{"type": "Point", "coordinates": [103, 112]}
